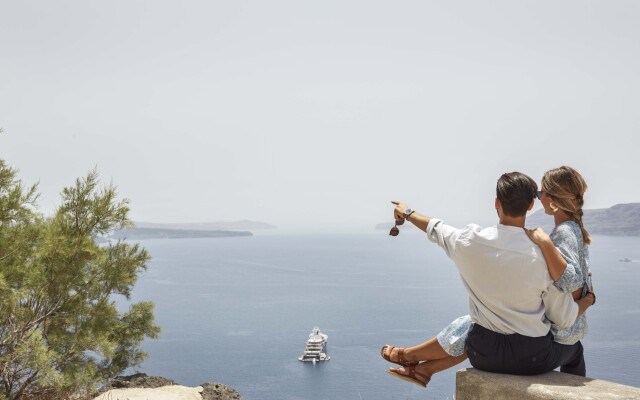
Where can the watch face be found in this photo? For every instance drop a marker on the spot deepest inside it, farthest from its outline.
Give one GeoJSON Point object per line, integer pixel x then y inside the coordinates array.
{"type": "Point", "coordinates": [407, 212]}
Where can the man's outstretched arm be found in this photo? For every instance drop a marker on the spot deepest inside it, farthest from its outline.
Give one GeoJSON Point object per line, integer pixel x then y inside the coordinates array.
{"type": "Point", "coordinates": [419, 220]}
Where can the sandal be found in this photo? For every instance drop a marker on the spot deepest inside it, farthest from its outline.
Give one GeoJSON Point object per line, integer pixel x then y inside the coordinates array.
{"type": "Point", "coordinates": [411, 376]}
{"type": "Point", "coordinates": [400, 361]}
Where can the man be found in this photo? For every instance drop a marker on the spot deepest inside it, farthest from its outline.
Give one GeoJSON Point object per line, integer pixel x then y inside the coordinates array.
{"type": "Point", "coordinates": [511, 295]}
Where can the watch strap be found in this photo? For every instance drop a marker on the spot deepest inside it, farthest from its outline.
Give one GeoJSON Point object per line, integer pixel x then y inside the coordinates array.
{"type": "Point", "coordinates": [594, 297]}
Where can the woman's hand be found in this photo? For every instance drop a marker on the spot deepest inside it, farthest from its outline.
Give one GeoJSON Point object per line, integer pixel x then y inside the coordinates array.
{"type": "Point", "coordinates": [556, 264]}
{"type": "Point", "coordinates": [538, 236]}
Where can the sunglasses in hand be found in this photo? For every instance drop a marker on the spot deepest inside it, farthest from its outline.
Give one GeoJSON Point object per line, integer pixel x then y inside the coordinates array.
{"type": "Point", "coordinates": [395, 231]}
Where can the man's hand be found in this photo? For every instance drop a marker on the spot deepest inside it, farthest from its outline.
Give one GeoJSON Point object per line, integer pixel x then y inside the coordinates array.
{"type": "Point", "coordinates": [398, 212]}
{"type": "Point", "coordinates": [420, 221]}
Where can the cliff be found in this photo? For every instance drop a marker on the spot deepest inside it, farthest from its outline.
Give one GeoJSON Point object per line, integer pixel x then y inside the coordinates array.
{"type": "Point", "coordinates": [619, 220]}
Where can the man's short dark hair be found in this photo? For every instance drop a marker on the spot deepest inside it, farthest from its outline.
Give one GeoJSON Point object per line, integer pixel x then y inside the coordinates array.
{"type": "Point", "coordinates": [515, 191]}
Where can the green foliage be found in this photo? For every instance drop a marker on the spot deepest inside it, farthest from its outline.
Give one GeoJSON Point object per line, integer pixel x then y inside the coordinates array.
{"type": "Point", "coordinates": [60, 330]}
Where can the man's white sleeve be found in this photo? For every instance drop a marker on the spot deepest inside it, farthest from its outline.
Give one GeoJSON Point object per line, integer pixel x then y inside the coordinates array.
{"type": "Point", "coordinates": [443, 235]}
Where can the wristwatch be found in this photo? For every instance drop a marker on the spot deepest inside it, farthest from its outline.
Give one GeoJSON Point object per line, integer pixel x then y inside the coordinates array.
{"type": "Point", "coordinates": [407, 213]}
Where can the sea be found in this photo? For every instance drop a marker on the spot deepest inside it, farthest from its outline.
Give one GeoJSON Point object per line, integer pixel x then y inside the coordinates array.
{"type": "Point", "coordinates": [239, 310]}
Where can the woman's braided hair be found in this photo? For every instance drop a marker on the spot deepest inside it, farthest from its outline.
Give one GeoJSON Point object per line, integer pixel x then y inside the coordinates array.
{"type": "Point", "coordinates": [566, 188]}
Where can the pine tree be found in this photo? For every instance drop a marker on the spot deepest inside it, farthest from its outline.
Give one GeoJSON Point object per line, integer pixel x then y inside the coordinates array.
{"type": "Point", "coordinates": [60, 329]}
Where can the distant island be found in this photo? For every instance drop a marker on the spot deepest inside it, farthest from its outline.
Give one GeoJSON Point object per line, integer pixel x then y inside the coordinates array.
{"type": "Point", "coordinates": [619, 220]}
{"type": "Point", "coordinates": [159, 233]}
{"type": "Point", "coordinates": [243, 225]}
{"type": "Point", "coordinates": [152, 230]}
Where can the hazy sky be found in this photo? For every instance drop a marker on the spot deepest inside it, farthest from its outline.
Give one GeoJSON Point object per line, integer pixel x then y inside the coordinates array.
{"type": "Point", "coordinates": [316, 114]}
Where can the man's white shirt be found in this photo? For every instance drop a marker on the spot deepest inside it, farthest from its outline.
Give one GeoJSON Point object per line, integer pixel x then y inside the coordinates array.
{"type": "Point", "coordinates": [510, 289]}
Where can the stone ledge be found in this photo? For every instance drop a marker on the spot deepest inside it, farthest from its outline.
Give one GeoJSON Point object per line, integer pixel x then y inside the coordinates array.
{"type": "Point", "coordinates": [479, 385]}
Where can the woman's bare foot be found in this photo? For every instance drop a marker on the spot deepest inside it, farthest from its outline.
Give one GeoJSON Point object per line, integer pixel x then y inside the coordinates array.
{"type": "Point", "coordinates": [417, 374]}
{"type": "Point", "coordinates": [425, 370]}
{"type": "Point", "coordinates": [397, 355]}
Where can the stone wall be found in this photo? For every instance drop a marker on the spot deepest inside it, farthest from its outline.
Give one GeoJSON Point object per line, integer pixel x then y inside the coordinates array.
{"type": "Point", "coordinates": [473, 384]}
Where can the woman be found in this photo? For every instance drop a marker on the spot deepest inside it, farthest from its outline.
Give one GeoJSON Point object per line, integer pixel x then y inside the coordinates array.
{"type": "Point", "coordinates": [567, 258]}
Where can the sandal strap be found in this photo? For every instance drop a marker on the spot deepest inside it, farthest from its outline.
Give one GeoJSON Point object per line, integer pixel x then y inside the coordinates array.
{"type": "Point", "coordinates": [411, 371]}
{"type": "Point", "coordinates": [401, 359]}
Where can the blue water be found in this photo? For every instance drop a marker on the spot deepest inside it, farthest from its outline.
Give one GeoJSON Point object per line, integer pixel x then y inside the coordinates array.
{"type": "Point", "coordinates": [238, 311]}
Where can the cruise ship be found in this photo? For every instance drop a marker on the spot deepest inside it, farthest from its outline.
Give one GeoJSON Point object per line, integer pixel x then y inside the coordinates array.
{"type": "Point", "coordinates": [314, 350]}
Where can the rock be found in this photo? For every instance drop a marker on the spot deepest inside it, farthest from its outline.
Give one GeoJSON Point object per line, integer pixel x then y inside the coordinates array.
{"type": "Point", "coordinates": [144, 387]}
{"type": "Point", "coordinates": [137, 381]}
{"type": "Point", "coordinates": [218, 391]}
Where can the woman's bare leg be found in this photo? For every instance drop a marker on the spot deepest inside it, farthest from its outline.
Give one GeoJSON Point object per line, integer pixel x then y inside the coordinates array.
{"type": "Point", "coordinates": [427, 351]}
{"type": "Point", "coordinates": [428, 368]}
